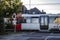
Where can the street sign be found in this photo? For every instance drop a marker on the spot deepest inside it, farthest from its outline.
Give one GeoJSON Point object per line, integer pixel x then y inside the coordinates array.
{"type": "Point", "coordinates": [14, 22]}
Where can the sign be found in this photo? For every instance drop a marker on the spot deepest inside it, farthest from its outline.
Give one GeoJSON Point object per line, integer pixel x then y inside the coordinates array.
{"type": "Point", "coordinates": [14, 22]}
{"type": "Point", "coordinates": [14, 15]}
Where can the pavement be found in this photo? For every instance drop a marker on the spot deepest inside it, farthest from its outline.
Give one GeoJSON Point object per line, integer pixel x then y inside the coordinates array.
{"type": "Point", "coordinates": [31, 36]}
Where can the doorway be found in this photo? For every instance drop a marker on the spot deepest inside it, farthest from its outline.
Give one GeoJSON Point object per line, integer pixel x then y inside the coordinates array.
{"type": "Point", "coordinates": [44, 22]}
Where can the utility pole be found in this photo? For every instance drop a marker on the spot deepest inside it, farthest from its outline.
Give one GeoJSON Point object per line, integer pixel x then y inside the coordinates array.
{"type": "Point", "coordinates": [29, 5]}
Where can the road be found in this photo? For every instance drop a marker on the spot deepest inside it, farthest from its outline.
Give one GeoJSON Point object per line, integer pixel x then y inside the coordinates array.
{"type": "Point", "coordinates": [31, 36]}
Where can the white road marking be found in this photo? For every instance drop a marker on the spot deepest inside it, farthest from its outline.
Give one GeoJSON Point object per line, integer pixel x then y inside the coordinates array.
{"type": "Point", "coordinates": [32, 32]}
{"type": "Point", "coordinates": [51, 33]}
{"type": "Point", "coordinates": [50, 36]}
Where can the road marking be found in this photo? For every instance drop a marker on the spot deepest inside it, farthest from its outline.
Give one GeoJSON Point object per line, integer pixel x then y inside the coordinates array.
{"type": "Point", "coordinates": [48, 36]}
{"type": "Point", "coordinates": [32, 32]}
{"type": "Point", "coordinates": [52, 37]}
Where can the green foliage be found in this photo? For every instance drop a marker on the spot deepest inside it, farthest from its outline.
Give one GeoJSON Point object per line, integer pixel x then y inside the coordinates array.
{"type": "Point", "coordinates": [1, 24]}
{"type": "Point", "coordinates": [7, 7]}
{"type": "Point", "coordinates": [10, 6]}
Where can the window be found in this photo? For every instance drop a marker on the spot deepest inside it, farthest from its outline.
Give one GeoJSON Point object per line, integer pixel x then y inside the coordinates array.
{"type": "Point", "coordinates": [28, 20]}
{"type": "Point", "coordinates": [35, 20]}
{"type": "Point", "coordinates": [42, 20]}
{"type": "Point", "coordinates": [21, 20]}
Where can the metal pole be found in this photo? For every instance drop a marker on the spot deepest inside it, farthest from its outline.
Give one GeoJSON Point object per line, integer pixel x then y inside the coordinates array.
{"type": "Point", "coordinates": [15, 28]}
{"type": "Point", "coordinates": [29, 5]}
{"type": "Point", "coordinates": [15, 24]}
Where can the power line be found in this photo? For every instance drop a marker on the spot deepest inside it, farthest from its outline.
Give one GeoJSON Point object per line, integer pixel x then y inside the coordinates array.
{"type": "Point", "coordinates": [44, 4]}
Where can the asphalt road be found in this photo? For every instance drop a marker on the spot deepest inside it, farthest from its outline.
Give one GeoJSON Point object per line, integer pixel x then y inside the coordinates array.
{"type": "Point", "coordinates": [31, 36]}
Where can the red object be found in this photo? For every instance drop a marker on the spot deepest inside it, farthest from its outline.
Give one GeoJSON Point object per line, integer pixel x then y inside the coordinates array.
{"type": "Point", "coordinates": [18, 27]}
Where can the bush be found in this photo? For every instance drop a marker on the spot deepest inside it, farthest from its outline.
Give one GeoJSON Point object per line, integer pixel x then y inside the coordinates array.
{"type": "Point", "coordinates": [1, 25]}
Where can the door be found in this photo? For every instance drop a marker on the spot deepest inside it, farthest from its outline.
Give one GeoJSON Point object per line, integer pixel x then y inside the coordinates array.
{"type": "Point", "coordinates": [44, 22]}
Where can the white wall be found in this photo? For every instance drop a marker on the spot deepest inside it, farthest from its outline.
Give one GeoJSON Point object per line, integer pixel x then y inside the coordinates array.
{"type": "Point", "coordinates": [30, 26]}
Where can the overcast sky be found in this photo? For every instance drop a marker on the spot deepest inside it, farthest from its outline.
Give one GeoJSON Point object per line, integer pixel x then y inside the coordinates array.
{"type": "Point", "coordinates": [49, 6]}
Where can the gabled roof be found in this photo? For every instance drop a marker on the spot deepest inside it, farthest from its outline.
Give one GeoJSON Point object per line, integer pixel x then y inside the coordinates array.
{"type": "Point", "coordinates": [35, 10]}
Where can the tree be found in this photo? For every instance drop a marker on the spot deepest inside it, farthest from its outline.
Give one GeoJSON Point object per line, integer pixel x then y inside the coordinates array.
{"type": "Point", "coordinates": [10, 6]}
{"type": "Point", "coordinates": [7, 7]}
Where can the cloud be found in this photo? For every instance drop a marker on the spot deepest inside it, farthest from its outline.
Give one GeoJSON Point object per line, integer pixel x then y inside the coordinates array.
{"type": "Point", "coordinates": [55, 8]}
